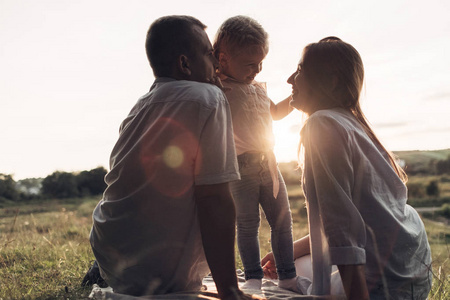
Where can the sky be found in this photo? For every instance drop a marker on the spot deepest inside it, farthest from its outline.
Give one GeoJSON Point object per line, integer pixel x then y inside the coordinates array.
{"type": "Point", "coordinates": [70, 71]}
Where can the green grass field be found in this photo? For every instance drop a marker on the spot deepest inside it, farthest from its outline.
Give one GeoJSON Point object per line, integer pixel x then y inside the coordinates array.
{"type": "Point", "coordinates": [44, 248]}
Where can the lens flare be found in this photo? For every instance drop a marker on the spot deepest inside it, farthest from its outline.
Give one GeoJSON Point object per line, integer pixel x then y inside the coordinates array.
{"type": "Point", "coordinates": [168, 155]}
{"type": "Point", "coordinates": [173, 156]}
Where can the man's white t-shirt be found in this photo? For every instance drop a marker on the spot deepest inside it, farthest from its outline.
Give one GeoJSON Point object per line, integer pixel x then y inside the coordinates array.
{"type": "Point", "coordinates": [146, 228]}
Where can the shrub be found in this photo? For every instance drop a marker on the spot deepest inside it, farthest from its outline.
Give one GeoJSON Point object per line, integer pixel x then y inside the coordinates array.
{"type": "Point", "coordinates": [60, 185]}
{"type": "Point", "coordinates": [433, 188]}
{"type": "Point", "coordinates": [7, 188]}
{"type": "Point", "coordinates": [445, 211]}
{"type": "Point", "coordinates": [91, 182]}
{"type": "Point", "coordinates": [416, 190]}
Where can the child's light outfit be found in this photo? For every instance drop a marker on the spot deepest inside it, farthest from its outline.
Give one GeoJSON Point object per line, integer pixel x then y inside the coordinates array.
{"type": "Point", "coordinates": [261, 182]}
{"type": "Point", "coordinates": [357, 211]}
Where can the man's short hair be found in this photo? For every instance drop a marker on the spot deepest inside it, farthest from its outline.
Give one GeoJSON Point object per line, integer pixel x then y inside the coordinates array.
{"type": "Point", "coordinates": [167, 38]}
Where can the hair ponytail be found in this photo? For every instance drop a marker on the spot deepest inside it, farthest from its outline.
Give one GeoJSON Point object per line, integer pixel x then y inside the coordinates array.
{"type": "Point", "coordinates": [359, 115]}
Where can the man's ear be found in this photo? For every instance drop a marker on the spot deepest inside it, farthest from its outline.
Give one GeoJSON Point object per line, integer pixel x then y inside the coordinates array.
{"type": "Point", "coordinates": [183, 65]}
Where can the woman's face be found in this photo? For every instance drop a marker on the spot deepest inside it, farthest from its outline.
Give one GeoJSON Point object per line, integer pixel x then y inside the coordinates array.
{"type": "Point", "coordinates": [302, 92]}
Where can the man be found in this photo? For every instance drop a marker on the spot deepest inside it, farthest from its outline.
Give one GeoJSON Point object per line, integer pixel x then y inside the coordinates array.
{"type": "Point", "coordinates": [167, 204]}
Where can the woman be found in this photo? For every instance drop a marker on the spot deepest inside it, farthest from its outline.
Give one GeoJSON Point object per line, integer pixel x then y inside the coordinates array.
{"type": "Point", "coordinates": [355, 191]}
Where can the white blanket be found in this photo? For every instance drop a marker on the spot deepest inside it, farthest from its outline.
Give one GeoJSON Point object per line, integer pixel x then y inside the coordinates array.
{"type": "Point", "coordinates": [269, 291]}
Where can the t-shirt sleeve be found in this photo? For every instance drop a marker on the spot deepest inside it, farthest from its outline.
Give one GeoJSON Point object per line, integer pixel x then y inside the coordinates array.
{"type": "Point", "coordinates": [216, 160]}
{"type": "Point", "coordinates": [328, 180]}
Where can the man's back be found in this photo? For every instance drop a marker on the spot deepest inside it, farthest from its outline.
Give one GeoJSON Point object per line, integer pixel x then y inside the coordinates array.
{"type": "Point", "coordinates": [146, 228]}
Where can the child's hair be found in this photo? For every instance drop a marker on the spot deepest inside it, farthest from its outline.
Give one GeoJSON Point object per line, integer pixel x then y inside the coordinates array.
{"type": "Point", "coordinates": [240, 33]}
{"type": "Point", "coordinates": [335, 69]}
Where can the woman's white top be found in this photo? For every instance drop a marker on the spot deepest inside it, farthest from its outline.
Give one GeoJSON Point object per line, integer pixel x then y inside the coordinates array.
{"type": "Point", "coordinates": [357, 206]}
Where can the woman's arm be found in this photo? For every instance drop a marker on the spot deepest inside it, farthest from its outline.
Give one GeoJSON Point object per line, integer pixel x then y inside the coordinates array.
{"type": "Point", "coordinates": [301, 248]}
{"type": "Point", "coordinates": [329, 183]}
{"type": "Point", "coordinates": [281, 109]}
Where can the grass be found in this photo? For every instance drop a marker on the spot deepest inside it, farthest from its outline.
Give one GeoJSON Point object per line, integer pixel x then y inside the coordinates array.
{"type": "Point", "coordinates": [439, 239]}
{"type": "Point", "coordinates": [45, 252]}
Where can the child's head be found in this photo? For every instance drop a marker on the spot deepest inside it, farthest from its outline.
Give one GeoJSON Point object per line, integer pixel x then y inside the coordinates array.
{"type": "Point", "coordinates": [240, 45]}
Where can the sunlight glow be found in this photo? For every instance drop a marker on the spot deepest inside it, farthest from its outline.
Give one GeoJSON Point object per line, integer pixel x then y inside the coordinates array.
{"type": "Point", "coordinates": [100, 74]}
{"type": "Point", "coordinates": [173, 156]}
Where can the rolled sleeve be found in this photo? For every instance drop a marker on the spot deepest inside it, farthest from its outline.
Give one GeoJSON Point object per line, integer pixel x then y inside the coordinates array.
{"type": "Point", "coordinates": [328, 179]}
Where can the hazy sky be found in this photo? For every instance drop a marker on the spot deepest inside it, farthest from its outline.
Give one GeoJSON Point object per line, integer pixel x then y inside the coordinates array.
{"type": "Point", "coordinates": [70, 71]}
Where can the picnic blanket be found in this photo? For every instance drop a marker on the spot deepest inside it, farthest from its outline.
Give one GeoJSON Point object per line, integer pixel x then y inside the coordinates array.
{"type": "Point", "coordinates": [269, 291]}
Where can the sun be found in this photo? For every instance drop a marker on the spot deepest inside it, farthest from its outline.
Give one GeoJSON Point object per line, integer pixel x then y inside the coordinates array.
{"type": "Point", "coordinates": [286, 141]}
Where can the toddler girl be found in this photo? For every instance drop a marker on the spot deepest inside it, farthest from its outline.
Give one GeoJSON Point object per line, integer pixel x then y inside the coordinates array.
{"type": "Point", "coordinates": [240, 45]}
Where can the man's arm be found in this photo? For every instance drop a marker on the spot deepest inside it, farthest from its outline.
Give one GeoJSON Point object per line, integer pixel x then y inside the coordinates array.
{"type": "Point", "coordinates": [354, 281]}
{"type": "Point", "coordinates": [216, 213]}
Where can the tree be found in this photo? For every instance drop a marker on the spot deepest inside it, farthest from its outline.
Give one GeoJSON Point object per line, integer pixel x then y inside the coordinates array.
{"type": "Point", "coordinates": [29, 187]}
{"type": "Point", "coordinates": [433, 188]}
{"type": "Point", "coordinates": [91, 182]}
{"type": "Point", "coordinates": [60, 185]}
{"type": "Point", "coordinates": [416, 190]}
{"type": "Point", "coordinates": [8, 188]}
{"type": "Point", "coordinates": [443, 166]}
{"type": "Point", "coordinates": [445, 211]}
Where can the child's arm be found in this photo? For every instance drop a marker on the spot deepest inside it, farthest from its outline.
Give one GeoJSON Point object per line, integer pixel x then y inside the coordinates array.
{"type": "Point", "coordinates": [281, 109]}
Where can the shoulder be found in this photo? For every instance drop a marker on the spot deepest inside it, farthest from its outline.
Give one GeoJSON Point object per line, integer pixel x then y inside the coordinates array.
{"type": "Point", "coordinates": [328, 124]}
{"type": "Point", "coordinates": [204, 93]}
{"type": "Point", "coordinates": [201, 90]}
{"type": "Point", "coordinates": [260, 86]}
{"type": "Point", "coordinates": [337, 118]}
{"type": "Point", "coordinates": [324, 118]}
{"type": "Point", "coordinates": [236, 91]}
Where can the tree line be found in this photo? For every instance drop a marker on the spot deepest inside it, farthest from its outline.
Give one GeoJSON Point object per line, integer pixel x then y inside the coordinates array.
{"type": "Point", "coordinates": [428, 167]}
{"type": "Point", "coordinates": [63, 185]}
{"type": "Point", "coordinates": [58, 185]}
{"type": "Point", "coordinates": [441, 167]}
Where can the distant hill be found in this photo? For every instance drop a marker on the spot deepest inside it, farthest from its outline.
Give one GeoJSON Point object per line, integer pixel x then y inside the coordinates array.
{"type": "Point", "coordinates": [415, 161]}
{"type": "Point", "coordinates": [420, 160]}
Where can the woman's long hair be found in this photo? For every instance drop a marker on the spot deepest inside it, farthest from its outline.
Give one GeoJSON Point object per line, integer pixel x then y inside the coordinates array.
{"type": "Point", "coordinates": [335, 69]}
